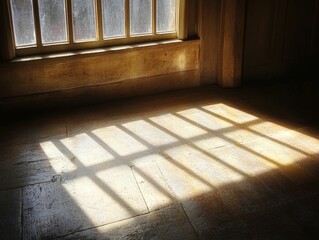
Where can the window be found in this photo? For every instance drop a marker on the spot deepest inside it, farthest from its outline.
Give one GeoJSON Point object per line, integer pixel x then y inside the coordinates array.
{"type": "Point", "coordinates": [43, 26]}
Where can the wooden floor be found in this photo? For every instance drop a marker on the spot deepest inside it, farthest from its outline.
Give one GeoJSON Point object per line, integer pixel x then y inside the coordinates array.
{"type": "Point", "coordinates": [204, 163]}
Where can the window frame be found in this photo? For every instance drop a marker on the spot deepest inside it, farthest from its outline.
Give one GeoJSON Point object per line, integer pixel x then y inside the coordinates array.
{"type": "Point", "coordinates": [186, 28]}
{"type": "Point", "coordinates": [71, 45]}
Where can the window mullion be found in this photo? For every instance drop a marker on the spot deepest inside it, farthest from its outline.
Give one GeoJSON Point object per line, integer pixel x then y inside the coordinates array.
{"type": "Point", "coordinates": [99, 20]}
{"type": "Point", "coordinates": [70, 21]}
{"type": "Point", "coordinates": [36, 13]}
{"type": "Point", "coordinates": [154, 11]}
{"type": "Point", "coordinates": [182, 24]}
{"type": "Point", "coordinates": [127, 19]}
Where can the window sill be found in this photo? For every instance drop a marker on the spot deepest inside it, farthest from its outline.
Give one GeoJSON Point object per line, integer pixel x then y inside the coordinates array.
{"type": "Point", "coordinates": [98, 51]}
{"type": "Point", "coordinates": [71, 70]}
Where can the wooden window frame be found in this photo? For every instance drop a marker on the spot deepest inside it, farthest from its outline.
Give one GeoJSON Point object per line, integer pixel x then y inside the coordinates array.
{"type": "Point", "coordinates": [11, 51]}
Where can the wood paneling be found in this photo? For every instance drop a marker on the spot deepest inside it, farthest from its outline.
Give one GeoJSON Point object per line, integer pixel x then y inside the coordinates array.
{"type": "Point", "coordinates": [299, 25]}
{"type": "Point", "coordinates": [209, 33]}
{"type": "Point", "coordinates": [265, 25]}
{"type": "Point", "coordinates": [280, 37]}
{"type": "Point", "coordinates": [49, 75]}
{"type": "Point", "coordinates": [192, 19]}
{"type": "Point", "coordinates": [232, 42]}
{"type": "Point", "coordinates": [222, 31]}
{"type": "Point", "coordinates": [259, 34]}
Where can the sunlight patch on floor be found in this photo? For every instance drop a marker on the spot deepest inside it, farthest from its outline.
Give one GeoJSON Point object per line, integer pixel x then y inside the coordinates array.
{"type": "Point", "coordinates": [122, 143]}
{"type": "Point", "coordinates": [127, 169]}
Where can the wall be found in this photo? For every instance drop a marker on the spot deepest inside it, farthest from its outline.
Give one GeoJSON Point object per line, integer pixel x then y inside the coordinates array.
{"type": "Point", "coordinates": [63, 72]}
{"type": "Point", "coordinates": [280, 37]}
{"type": "Point", "coordinates": [209, 33]}
{"type": "Point", "coordinates": [83, 78]}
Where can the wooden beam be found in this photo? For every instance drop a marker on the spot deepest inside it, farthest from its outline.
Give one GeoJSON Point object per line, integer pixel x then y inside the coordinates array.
{"type": "Point", "coordinates": [232, 42]}
{"type": "Point", "coordinates": [209, 33]}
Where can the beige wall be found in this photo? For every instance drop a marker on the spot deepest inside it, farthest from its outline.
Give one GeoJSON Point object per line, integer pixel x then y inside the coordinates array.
{"type": "Point", "coordinates": [95, 69]}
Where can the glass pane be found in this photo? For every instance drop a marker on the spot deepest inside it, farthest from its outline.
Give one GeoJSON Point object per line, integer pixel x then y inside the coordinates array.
{"type": "Point", "coordinates": [113, 18]}
{"type": "Point", "coordinates": [84, 20]}
{"type": "Point", "coordinates": [141, 16]}
{"type": "Point", "coordinates": [165, 15]}
{"type": "Point", "coordinates": [53, 21]}
{"type": "Point", "coordinates": [23, 22]}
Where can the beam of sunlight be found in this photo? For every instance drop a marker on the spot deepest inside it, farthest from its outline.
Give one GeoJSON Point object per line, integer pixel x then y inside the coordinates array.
{"type": "Point", "coordinates": [279, 150]}
{"type": "Point", "coordinates": [294, 139]}
{"type": "Point", "coordinates": [59, 55]}
{"type": "Point", "coordinates": [86, 150]}
{"type": "Point", "coordinates": [103, 177]}
{"type": "Point", "coordinates": [178, 126]}
{"type": "Point", "coordinates": [231, 113]}
{"type": "Point", "coordinates": [189, 143]}
{"type": "Point", "coordinates": [90, 51]}
{"type": "Point", "coordinates": [146, 44]}
{"type": "Point", "coordinates": [153, 186]}
{"type": "Point", "coordinates": [192, 173]}
{"type": "Point", "coordinates": [117, 48]}
{"type": "Point", "coordinates": [257, 169]}
{"type": "Point", "coordinates": [59, 162]}
{"type": "Point", "coordinates": [113, 187]}
{"type": "Point", "coordinates": [171, 41]}
{"type": "Point", "coordinates": [104, 195]}
{"type": "Point", "coordinates": [152, 135]}
{"type": "Point", "coordinates": [182, 60]}
{"type": "Point", "coordinates": [122, 143]}
{"type": "Point", "coordinates": [96, 196]}
{"type": "Point", "coordinates": [255, 139]}
{"type": "Point", "coordinates": [250, 131]}
{"type": "Point", "coordinates": [132, 167]}
{"type": "Point", "coordinates": [27, 59]}
{"type": "Point", "coordinates": [232, 141]}
{"type": "Point", "coordinates": [235, 144]}
{"type": "Point", "coordinates": [208, 120]}
{"type": "Point", "coordinates": [276, 152]}
{"type": "Point", "coordinates": [180, 167]}
{"type": "Point", "coordinates": [182, 170]}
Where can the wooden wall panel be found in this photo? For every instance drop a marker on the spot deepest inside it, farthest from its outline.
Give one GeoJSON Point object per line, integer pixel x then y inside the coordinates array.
{"type": "Point", "coordinates": [265, 34]}
{"type": "Point", "coordinates": [299, 29]}
{"type": "Point", "coordinates": [260, 28]}
{"type": "Point", "coordinates": [209, 33]}
{"type": "Point", "coordinates": [192, 18]}
{"type": "Point", "coordinates": [280, 37]}
{"type": "Point", "coordinates": [232, 42]}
